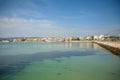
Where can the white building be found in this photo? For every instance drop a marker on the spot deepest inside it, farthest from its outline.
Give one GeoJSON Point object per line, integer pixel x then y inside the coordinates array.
{"type": "Point", "coordinates": [68, 39]}
{"type": "Point", "coordinates": [96, 37]}
{"type": "Point", "coordinates": [81, 38]}
{"type": "Point", "coordinates": [89, 37]}
{"type": "Point", "coordinates": [101, 37]}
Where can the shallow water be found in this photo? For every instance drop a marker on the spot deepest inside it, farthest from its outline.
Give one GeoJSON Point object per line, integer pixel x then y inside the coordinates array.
{"type": "Point", "coordinates": [57, 61]}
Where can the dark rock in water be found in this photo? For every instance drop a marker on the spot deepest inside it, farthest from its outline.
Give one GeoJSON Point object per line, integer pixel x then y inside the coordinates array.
{"type": "Point", "coordinates": [65, 67]}
{"type": "Point", "coordinates": [59, 73]}
{"type": "Point", "coordinates": [68, 68]}
{"type": "Point", "coordinates": [113, 73]}
{"type": "Point", "coordinates": [57, 60]}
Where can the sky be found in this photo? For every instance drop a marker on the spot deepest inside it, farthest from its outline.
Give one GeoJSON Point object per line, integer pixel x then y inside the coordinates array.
{"type": "Point", "coordinates": [59, 18]}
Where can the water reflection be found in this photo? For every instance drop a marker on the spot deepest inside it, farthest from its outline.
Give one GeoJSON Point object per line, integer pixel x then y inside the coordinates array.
{"type": "Point", "coordinates": [68, 44]}
{"type": "Point", "coordinates": [81, 45]}
{"type": "Point", "coordinates": [15, 63]}
{"type": "Point", "coordinates": [10, 64]}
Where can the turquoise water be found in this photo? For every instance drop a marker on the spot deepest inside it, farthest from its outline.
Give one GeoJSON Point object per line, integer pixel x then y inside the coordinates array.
{"type": "Point", "coordinates": [57, 61]}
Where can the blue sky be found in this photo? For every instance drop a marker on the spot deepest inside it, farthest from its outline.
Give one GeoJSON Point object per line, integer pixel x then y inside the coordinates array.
{"type": "Point", "coordinates": [59, 18]}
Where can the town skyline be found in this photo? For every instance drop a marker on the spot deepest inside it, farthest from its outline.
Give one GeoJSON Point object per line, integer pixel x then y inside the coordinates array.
{"type": "Point", "coordinates": [59, 18]}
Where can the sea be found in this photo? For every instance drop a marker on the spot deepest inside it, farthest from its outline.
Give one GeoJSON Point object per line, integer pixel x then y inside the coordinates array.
{"type": "Point", "coordinates": [57, 61]}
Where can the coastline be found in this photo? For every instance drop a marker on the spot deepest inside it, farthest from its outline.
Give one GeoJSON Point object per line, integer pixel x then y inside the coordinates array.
{"type": "Point", "coordinates": [113, 47]}
{"type": "Point", "coordinates": [80, 41]}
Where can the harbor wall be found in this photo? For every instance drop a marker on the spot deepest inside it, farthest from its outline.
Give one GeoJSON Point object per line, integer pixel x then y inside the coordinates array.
{"type": "Point", "coordinates": [113, 49]}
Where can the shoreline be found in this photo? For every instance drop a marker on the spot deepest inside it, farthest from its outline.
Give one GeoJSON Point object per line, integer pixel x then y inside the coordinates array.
{"type": "Point", "coordinates": [48, 41]}
{"type": "Point", "coordinates": [113, 47]}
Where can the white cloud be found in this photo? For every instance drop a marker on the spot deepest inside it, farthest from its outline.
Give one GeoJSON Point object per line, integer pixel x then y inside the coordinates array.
{"type": "Point", "coordinates": [71, 17]}
{"type": "Point", "coordinates": [16, 22]}
{"type": "Point", "coordinates": [36, 14]}
{"type": "Point", "coordinates": [23, 27]}
{"type": "Point", "coordinates": [19, 27]}
{"type": "Point", "coordinates": [81, 15]}
{"type": "Point", "coordinates": [30, 27]}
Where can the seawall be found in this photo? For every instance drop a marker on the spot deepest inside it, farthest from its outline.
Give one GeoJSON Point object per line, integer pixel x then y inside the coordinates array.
{"type": "Point", "coordinates": [112, 48]}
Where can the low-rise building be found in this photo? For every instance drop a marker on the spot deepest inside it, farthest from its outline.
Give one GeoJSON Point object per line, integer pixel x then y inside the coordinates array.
{"type": "Point", "coordinates": [96, 37]}
{"type": "Point", "coordinates": [68, 39]}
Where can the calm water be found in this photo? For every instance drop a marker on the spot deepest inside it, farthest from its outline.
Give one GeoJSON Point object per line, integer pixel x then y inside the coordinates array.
{"type": "Point", "coordinates": [57, 61]}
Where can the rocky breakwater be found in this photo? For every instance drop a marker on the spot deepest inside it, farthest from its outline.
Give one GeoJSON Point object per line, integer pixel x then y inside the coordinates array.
{"type": "Point", "coordinates": [114, 47]}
